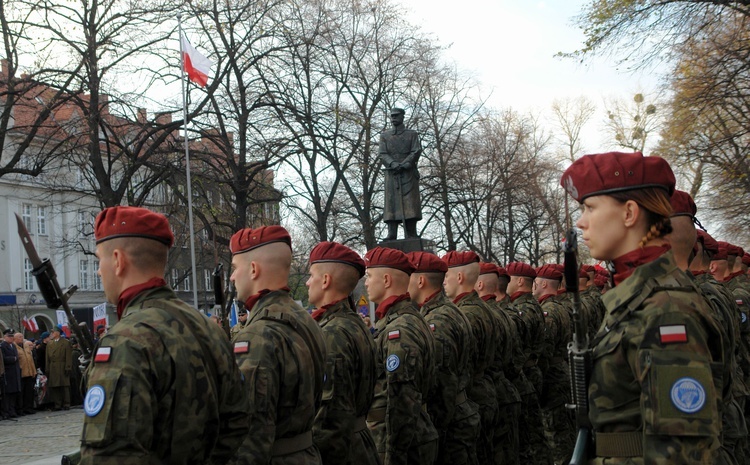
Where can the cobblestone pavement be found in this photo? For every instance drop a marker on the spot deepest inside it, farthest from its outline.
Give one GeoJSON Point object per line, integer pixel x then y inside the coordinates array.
{"type": "Point", "coordinates": [43, 435]}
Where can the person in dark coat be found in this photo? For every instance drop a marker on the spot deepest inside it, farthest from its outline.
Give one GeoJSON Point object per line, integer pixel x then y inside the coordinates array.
{"type": "Point", "coordinates": [41, 352]}
{"type": "Point", "coordinates": [12, 375]}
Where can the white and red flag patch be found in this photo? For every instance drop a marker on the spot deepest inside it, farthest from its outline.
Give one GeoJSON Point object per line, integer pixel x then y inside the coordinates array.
{"type": "Point", "coordinates": [103, 354]}
{"type": "Point", "coordinates": [394, 334]}
{"type": "Point", "coordinates": [241, 347]}
{"type": "Point", "coordinates": [672, 333]}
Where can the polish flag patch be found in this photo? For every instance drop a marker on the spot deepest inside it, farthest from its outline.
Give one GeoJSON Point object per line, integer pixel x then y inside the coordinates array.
{"type": "Point", "coordinates": [739, 302]}
{"type": "Point", "coordinates": [241, 347]}
{"type": "Point", "coordinates": [673, 333]}
{"type": "Point", "coordinates": [103, 354]}
{"type": "Point", "coordinates": [394, 334]}
{"type": "Point", "coordinates": [432, 326]}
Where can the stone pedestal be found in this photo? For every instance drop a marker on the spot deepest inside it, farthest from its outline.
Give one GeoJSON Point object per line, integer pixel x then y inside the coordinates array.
{"type": "Point", "coordinates": [410, 244]}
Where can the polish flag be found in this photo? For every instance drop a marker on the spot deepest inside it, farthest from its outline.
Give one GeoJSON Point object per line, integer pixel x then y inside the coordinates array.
{"type": "Point", "coordinates": [673, 333]}
{"type": "Point", "coordinates": [30, 324]}
{"type": "Point", "coordinates": [195, 64]}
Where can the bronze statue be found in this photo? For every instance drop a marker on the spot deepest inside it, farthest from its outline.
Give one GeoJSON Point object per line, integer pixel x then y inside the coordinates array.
{"type": "Point", "coordinates": [399, 150]}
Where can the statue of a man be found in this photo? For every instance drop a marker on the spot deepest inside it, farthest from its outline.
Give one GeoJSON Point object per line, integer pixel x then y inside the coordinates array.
{"type": "Point", "coordinates": [399, 150]}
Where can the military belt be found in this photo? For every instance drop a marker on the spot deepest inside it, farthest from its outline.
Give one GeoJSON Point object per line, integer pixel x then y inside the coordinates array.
{"type": "Point", "coordinates": [619, 444]}
{"type": "Point", "coordinates": [461, 398]}
{"type": "Point", "coordinates": [376, 414]}
{"type": "Point", "coordinates": [286, 446]}
{"type": "Point", "coordinates": [360, 423]}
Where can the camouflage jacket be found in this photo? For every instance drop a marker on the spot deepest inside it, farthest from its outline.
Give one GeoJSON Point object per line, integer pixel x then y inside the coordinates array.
{"type": "Point", "coordinates": [555, 367]}
{"type": "Point", "coordinates": [163, 388]}
{"type": "Point", "coordinates": [484, 330]}
{"type": "Point", "coordinates": [656, 376]}
{"type": "Point", "coordinates": [591, 299]}
{"type": "Point", "coordinates": [235, 330]}
{"type": "Point", "coordinates": [453, 348]}
{"type": "Point", "coordinates": [516, 374]}
{"type": "Point", "coordinates": [405, 375]}
{"type": "Point", "coordinates": [531, 312]}
{"type": "Point", "coordinates": [503, 366]}
{"type": "Point", "coordinates": [339, 430]}
{"type": "Point", "coordinates": [281, 353]}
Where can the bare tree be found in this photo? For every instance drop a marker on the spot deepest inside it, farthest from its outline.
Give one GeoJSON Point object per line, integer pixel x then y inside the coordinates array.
{"type": "Point", "coordinates": [571, 116]}
{"type": "Point", "coordinates": [630, 124]}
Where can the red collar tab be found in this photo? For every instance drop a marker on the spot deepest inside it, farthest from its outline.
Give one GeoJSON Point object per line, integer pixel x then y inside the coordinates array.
{"type": "Point", "coordinates": [626, 264]}
{"type": "Point", "coordinates": [386, 305]}
{"type": "Point", "coordinates": [130, 293]}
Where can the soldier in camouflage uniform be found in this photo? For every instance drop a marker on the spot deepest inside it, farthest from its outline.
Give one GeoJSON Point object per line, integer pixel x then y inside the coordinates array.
{"type": "Point", "coordinates": [241, 322]}
{"type": "Point", "coordinates": [655, 385]}
{"type": "Point", "coordinates": [558, 428]}
{"type": "Point", "coordinates": [531, 431]}
{"type": "Point", "coordinates": [398, 418]}
{"type": "Point", "coordinates": [280, 351]}
{"type": "Point", "coordinates": [340, 430]}
{"type": "Point", "coordinates": [162, 387]}
{"type": "Point", "coordinates": [455, 416]}
{"type": "Point", "coordinates": [505, 437]}
{"type": "Point", "coordinates": [463, 271]}
{"type": "Point", "coordinates": [591, 299]}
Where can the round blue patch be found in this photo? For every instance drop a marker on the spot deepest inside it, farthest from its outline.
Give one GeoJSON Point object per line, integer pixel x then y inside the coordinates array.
{"type": "Point", "coordinates": [392, 362]}
{"type": "Point", "coordinates": [688, 395]}
{"type": "Point", "coordinates": [744, 317]}
{"type": "Point", "coordinates": [94, 400]}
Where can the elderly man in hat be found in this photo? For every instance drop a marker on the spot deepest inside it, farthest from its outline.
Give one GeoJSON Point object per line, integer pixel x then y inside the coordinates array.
{"type": "Point", "coordinates": [398, 418]}
{"type": "Point", "coordinates": [59, 368]}
{"type": "Point", "coordinates": [280, 351]}
{"type": "Point", "coordinates": [340, 429]}
{"type": "Point", "coordinates": [162, 386]}
{"type": "Point", "coordinates": [399, 150]}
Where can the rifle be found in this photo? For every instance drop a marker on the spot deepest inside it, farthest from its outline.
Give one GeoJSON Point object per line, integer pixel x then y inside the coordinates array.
{"type": "Point", "coordinates": [54, 297]}
{"type": "Point", "coordinates": [219, 296]}
{"type": "Point", "coordinates": [579, 355]}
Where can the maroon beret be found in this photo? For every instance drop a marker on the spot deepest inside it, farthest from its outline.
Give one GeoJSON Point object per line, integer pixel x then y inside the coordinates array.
{"type": "Point", "coordinates": [383, 257]}
{"type": "Point", "coordinates": [600, 280]}
{"type": "Point", "coordinates": [426, 262]}
{"type": "Point", "coordinates": [488, 268]}
{"type": "Point", "coordinates": [746, 259]}
{"type": "Point", "coordinates": [454, 258]}
{"type": "Point", "coordinates": [582, 273]}
{"type": "Point", "coordinates": [734, 250]}
{"type": "Point", "coordinates": [723, 251]}
{"type": "Point", "coordinates": [559, 267]}
{"type": "Point", "coordinates": [115, 222]}
{"type": "Point", "coordinates": [549, 272]}
{"type": "Point", "coordinates": [709, 243]}
{"type": "Point", "coordinates": [501, 271]}
{"type": "Point", "coordinates": [520, 269]}
{"type": "Point", "coordinates": [588, 268]}
{"type": "Point", "coordinates": [608, 173]}
{"type": "Point", "coordinates": [248, 239]}
{"type": "Point", "coordinates": [333, 252]}
{"type": "Point", "coordinates": [683, 204]}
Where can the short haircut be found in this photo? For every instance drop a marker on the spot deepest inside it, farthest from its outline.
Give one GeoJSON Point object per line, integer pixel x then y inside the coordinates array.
{"type": "Point", "coordinates": [145, 254]}
{"type": "Point", "coordinates": [345, 277]}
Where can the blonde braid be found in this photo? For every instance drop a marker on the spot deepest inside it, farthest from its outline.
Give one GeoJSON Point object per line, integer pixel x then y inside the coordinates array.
{"type": "Point", "coordinates": [661, 228]}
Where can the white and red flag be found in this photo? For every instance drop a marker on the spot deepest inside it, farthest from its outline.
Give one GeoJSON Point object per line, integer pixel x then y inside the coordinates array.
{"type": "Point", "coordinates": [100, 316]}
{"type": "Point", "coordinates": [30, 324]}
{"type": "Point", "coordinates": [194, 63]}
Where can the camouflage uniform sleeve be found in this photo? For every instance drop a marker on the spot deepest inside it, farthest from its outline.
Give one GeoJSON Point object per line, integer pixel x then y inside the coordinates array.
{"type": "Point", "coordinates": [404, 399]}
{"type": "Point", "coordinates": [442, 404]}
{"type": "Point", "coordinates": [679, 401]}
{"type": "Point", "coordinates": [118, 427]}
{"type": "Point", "coordinates": [334, 421]}
{"type": "Point", "coordinates": [261, 366]}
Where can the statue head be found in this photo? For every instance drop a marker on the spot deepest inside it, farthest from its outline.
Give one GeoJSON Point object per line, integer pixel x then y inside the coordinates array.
{"type": "Point", "coordinates": [397, 116]}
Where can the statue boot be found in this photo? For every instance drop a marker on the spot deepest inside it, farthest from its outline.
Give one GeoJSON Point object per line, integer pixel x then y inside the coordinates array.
{"type": "Point", "coordinates": [392, 230]}
{"type": "Point", "coordinates": [411, 228]}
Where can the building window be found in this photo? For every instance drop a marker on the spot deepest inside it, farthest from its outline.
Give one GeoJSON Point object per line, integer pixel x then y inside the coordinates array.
{"type": "Point", "coordinates": [83, 267]}
{"type": "Point", "coordinates": [26, 215]}
{"type": "Point", "coordinates": [41, 220]}
{"type": "Point", "coordinates": [186, 281]}
{"type": "Point", "coordinates": [28, 278]}
{"type": "Point", "coordinates": [82, 224]}
{"type": "Point", "coordinates": [175, 280]}
{"type": "Point", "coordinates": [208, 280]}
{"type": "Point", "coordinates": [97, 278]}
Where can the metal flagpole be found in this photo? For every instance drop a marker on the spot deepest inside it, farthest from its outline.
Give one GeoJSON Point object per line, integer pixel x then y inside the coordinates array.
{"type": "Point", "coordinates": [187, 164]}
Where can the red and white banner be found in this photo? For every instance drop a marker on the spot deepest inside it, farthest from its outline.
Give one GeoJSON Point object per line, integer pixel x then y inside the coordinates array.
{"type": "Point", "coordinates": [62, 319]}
{"type": "Point", "coordinates": [194, 63]}
{"type": "Point", "coordinates": [30, 324]}
{"type": "Point", "coordinates": [100, 316]}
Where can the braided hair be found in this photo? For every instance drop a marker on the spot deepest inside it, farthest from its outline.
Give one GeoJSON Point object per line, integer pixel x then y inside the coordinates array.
{"type": "Point", "coordinates": [655, 203]}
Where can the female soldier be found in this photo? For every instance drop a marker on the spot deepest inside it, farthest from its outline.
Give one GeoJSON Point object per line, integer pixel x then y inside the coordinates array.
{"type": "Point", "coordinates": [655, 385]}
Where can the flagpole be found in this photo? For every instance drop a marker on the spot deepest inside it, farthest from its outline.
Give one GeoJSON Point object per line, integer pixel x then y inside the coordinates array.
{"type": "Point", "coordinates": [187, 164]}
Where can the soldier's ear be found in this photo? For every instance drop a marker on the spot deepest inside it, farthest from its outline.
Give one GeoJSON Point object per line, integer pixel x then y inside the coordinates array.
{"type": "Point", "coordinates": [326, 281]}
{"type": "Point", "coordinates": [460, 278]}
{"type": "Point", "coordinates": [119, 261]}
{"type": "Point", "coordinates": [631, 213]}
{"type": "Point", "coordinates": [387, 280]}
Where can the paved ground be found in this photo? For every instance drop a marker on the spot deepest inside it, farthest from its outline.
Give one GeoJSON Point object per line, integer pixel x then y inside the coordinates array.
{"type": "Point", "coordinates": [41, 438]}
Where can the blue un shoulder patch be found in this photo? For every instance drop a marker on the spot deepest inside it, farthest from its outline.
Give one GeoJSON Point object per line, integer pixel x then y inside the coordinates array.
{"type": "Point", "coordinates": [392, 362]}
{"type": "Point", "coordinates": [94, 400]}
{"type": "Point", "coordinates": [688, 395]}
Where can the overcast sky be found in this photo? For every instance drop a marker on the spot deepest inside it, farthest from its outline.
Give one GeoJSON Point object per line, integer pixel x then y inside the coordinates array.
{"type": "Point", "coordinates": [511, 46]}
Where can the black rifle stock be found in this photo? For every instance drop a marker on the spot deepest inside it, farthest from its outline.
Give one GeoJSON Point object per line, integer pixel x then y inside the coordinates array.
{"type": "Point", "coordinates": [220, 297]}
{"type": "Point", "coordinates": [54, 297]}
{"type": "Point", "coordinates": [579, 355]}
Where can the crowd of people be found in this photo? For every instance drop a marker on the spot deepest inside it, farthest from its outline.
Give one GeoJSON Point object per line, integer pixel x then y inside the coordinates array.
{"type": "Point", "coordinates": [468, 360]}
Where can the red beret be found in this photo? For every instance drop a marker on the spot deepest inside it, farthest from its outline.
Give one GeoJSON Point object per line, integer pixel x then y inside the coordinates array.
{"type": "Point", "coordinates": [383, 257]}
{"type": "Point", "coordinates": [588, 268]}
{"type": "Point", "coordinates": [683, 204]}
{"type": "Point", "coordinates": [709, 243]}
{"type": "Point", "coordinates": [582, 274]}
{"type": "Point", "coordinates": [426, 262]}
{"type": "Point", "coordinates": [608, 173]}
{"type": "Point", "coordinates": [520, 269]}
{"type": "Point", "coordinates": [454, 258]}
{"type": "Point", "coordinates": [734, 250]}
{"type": "Point", "coordinates": [549, 272]}
{"type": "Point", "coordinates": [746, 259]}
{"type": "Point", "coordinates": [488, 268]}
{"type": "Point", "coordinates": [600, 280]}
{"type": "Point", "coordinates": [333, 252]}
{"type": "Point", "coordinates": [723, 251]}
{"type": "Point", "coordinates": [248, 239]}
{"type": "Point", "coordinates": [115, 222]}
{"type": "Point", "coordinates": [559, 267]}
{"type": "Point", "coordinates": [502, 272]}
